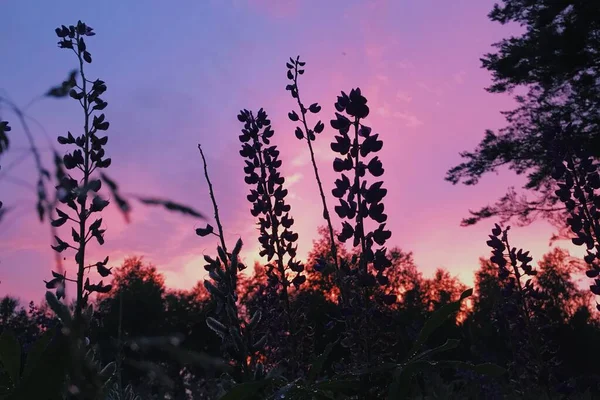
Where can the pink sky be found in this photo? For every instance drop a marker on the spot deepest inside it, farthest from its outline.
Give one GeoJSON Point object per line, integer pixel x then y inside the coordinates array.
{"type": "Point", "coordinates": [178, 76]}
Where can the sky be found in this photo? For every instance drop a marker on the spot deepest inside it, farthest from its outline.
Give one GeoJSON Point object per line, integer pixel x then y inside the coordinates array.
{"type": "Point", "coordinates": [179, 72]}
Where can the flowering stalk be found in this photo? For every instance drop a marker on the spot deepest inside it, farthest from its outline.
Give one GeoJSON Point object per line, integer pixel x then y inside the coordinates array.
{"type": "Point", "coordinates": [276, 237]}
{"type": "Point", "coordinates": [520, 298]}
{"type": "Point", "coordinates": [81, 196]}
{"type": "Point", "coordinates": [240, 338]}
{"type": "Point", "coordinates": [579, 181]}
{"type": "Point", "coordinates": [295, 68]}
{"type": "Point", "coordinates": [87, 158]}
{"type": "Point", "coordinates": [357, 202]}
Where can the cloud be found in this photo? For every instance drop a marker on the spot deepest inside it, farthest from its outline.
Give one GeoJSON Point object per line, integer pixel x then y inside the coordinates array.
{"type": "Point", "coordinates": [404, 64]}
{"type": "Point", "coordinates": [383, 111]}
{"type": "Point", "coordinates": [301, 159]}
{"type": "Point", "coordinates": [433, 90]}
{"type": "Point", "coordinates": [403, 96]}
{"type": "Point", "coordinates": [411, 120]}
{"type": "Point", "coordinates": [293, 179]}
{"type": "Point", "coordinates": [459, 77]}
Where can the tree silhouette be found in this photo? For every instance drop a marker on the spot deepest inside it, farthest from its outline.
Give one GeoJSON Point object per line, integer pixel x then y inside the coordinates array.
{"type": "Point", "coordinates": [556, 60]}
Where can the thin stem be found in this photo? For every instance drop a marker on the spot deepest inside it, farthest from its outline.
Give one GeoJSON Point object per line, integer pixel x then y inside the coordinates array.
{"type": "Point", "coordinates": [326, 214]}
{"type": "Point", "coordinates": [526, 313]}
{"type": "Point", "coordinates": [120, 344]}
{"type": "Point", "coordinates": [83, 215]}
{"type": "Point", "coordinates": [279, 247]}
{"type": "Point", "coordinates": [214, 201]}
{"type": "Point", "coordinates": [363, 267]}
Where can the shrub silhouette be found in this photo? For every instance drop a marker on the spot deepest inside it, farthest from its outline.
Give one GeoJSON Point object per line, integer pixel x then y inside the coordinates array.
{"type": "Point", "coordinates": [357, 323]}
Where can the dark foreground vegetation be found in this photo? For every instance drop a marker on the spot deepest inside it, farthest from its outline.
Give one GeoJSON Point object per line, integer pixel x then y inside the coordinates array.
{"type": "Point", "coordinates": [356, 320]}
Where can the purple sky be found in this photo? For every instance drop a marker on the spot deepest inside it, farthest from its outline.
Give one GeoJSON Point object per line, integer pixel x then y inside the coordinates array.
{"type": "Point", "coordinates": [178, 74]}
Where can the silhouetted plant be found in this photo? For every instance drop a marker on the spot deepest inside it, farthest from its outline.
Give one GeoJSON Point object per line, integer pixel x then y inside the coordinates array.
{"type": "Point", "coordinates": [76, 193]}
{"type": "Point", "coordinates": [4, 127]}
{"type": "Point", "coordinates": [240, 341]}
{"type": "Point", "coordinates": [268, 198]}
{"type": "Point", "coordinates": [295, 68]}
{"type": "Point", "coordinates": [358, 203]}
{"type": "Point", "coordinates": [579, 181]}
{"type": "Point", "coordinates": [88, 157]}
{"type": "Point", "coordinates": [240, 338]}
{"type": "Point", "coordinates": [533, 358]}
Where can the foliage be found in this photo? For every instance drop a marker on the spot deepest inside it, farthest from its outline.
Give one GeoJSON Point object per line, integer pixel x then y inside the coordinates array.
{"type": "Point", "coordinates": [295, 68]}
{"type": "Point", "coordinates": [362, 322]}
{"type": "Point", "coordinates": [268, 199]}
{"type": "Point", "coordinates": [579, 181]}
{"type": "Point", "coordinates": [555, 60]}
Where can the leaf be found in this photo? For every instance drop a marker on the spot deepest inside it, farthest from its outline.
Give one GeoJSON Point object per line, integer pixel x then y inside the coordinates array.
{"type": "Point", "coordinates": [46, 376]}
{"type": "Point", "coordinates": [314, 108]}
{"type": "Point", "coordinates": [171, 206]}
{"type": "Point", "coordinates": [216, 326]}
{"type": "Point", "coordinates": [58, 222]}
{"type": "Point", "coordinates": [75, 235]}
{"type": "Point", "coordinates": [293, 116]}
{"type": "Point", "coordinates": [36, 352]}
{"type": "Point", "coordinates": [488, 369]}
{"type": "Point", "coordinates": [61, 246]}
{"type": "Point", "coordinates": [436, 320]}
{"type": "Point", "coordinates": [121, 201]}
{"type": "Point", "coordinates": [65, 87]}
{"type": "Point", "coordinates": [255, 319]}
{"type": "Point", "coordinates": [345, 386]}
{"type": "Point", "coordinates": [448, 345]}
{"type": "Point", "coordinates": [205, 231]}
{"type": "Point", "coordinates": [319, 127]}
{"type": "Point", "coordinates": [10, 355]}
{"type": "Point", "coordinates": [400, 387]}
{"type": "Point", "coordinates": [61, 311]}
{"type": "Point", "coordinates": [108, 371]}
{"type": "Point", "coordinates": [317, 365]}
{"type": "Point", "coordinates": [246, 390]}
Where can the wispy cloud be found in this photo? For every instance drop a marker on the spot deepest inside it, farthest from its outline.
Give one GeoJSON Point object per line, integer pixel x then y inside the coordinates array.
{"type": "Point", "coordinates": [459, 77]}
{"type": "Point", "coordinates": [411, 120]}
{"type": "Point", "coordinates": [429, 89]}
{"type": "Point", "coordinates": [403, 96]}
{"type": "Point", "coordinates": [293, 179]}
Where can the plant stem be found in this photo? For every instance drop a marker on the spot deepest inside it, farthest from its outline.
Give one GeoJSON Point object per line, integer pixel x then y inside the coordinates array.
{"type": "Point", "coordinates": [277, 243]}
{"type": "Point", "coordinates": [526, 314]}
{"type": "Point", "coordinates": [214, 201]}
{"type": "Point", "coordinates": [83, 215]}
{"type": "Point", "coordinates": [326, 214]}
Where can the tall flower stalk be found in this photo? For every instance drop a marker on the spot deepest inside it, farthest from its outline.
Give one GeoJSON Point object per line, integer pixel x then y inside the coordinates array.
{"type": "Point", "coordinates": [303, 132]}
{"type": "Point", "coordinates": [520, 297]}
{"type": "Point", "coordinates": [579, 182]}
{"type": "Point", "coordinates": [277, 239]}
{"type": "Point", "coordinates": [239, 337]}
{"type": "Point", "coordinates": [80, 194]}
{"type": "Point", "coordinates": [358, 202]}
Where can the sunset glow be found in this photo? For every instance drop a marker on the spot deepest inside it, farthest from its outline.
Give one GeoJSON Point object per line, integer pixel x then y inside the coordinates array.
{"type": "Point", "coordinates": [180, 74]}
